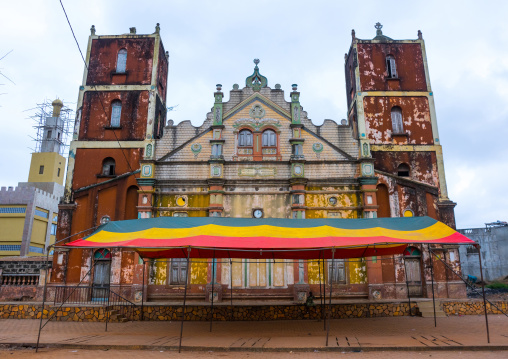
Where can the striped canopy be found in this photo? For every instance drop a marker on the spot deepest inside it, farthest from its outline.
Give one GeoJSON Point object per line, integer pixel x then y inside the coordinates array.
{"type": "Point", "coordinates": [206, 237]}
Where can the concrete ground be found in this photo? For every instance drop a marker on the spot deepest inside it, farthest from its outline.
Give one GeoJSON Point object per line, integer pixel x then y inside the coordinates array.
{"type": "Point", "coordinates": [460, 333]}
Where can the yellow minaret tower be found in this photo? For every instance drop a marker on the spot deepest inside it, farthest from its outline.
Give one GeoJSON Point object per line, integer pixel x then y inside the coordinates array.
{"type": "Point", "coordinates": [48, 165]}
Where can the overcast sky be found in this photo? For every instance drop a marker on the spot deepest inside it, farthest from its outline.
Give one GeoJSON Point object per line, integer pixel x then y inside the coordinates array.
{"type": "Point", "coordinates": [301, 42]}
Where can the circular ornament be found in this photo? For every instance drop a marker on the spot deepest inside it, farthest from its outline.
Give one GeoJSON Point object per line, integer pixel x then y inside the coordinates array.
{"type": "Point", "coordinates": [317, 147]}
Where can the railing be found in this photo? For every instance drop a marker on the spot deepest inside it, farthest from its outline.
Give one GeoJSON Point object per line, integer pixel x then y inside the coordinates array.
{"type": "Point", "coordinates": [19, 280]}
{"type": "Point", "coordinates": [102, 296]}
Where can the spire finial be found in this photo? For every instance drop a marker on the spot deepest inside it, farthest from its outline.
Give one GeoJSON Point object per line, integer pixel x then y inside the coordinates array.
{"type": "Point", "coordinates": [378, 27]}
{"type": "Point", "coordinates": [353, 34]}
{"type": "Point", "coordinates": [420, 37]}
{"type": "Point", "coordinates": [92, 30]}
{"type": "Point", "coordinates": [157, 28]}
{"type": "Point", "coordinates": [256, 61]}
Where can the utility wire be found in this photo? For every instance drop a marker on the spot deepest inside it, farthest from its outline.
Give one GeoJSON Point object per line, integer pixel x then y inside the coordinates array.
{"type": "Point", "coordinates": [97, 91]}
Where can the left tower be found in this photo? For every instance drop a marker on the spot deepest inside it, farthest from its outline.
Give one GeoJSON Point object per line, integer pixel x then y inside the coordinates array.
{"type": "Point", "coordinates": [120, 113]}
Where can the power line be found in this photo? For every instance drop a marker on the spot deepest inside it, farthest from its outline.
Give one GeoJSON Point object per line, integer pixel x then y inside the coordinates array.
{"type": "Point", "coordinates": [97, 91]}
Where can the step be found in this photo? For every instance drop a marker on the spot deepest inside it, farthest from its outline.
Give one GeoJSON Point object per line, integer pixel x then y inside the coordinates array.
{"type": "Point", "coordinates": [430, 313]}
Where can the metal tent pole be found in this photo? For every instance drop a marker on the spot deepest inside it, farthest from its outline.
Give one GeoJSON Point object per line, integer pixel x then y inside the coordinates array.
{"type": "Point", "coordinates": [143, 294]}
{"type": "Point", "coordinates": [109, 290]}
{"type": "Point", "coordinates": [43, 300]}
{"type": "Point", "coordinates": [213, 281]}
{"type": "Point", "coordinates": [483, 292]}
{"type": "Point", "coordinates": [184, 300]}
{"type": "Point", "coordinates": [231, 284]}
{"type": "Point", "coordinates": [320, 292]}
{"type": "Point", "coordinates": [432, 278]}
{"type": "Point", "coordinates": [323, 302]}
{"type": "Point", "coordinates": [330, 302]}
{"type": "Point", "coordinates": [407, 286]}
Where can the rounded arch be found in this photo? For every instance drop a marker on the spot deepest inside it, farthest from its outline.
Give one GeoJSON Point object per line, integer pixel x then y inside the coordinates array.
{"type": "Point", "coordinates": [412, 251]}
{"type": "Point", "coordinates": [121, 60]}
{"type": "Point", "coordinates": [396, 114]}
{"type": "Point", "coordinates": [108, 166]}
{"type": "Point", "coordinates": [269, 138]}
{"type": "Point", "coordinates": [131, 202]}
{"type": "Point", "coordinates": [383, 201]}
{"type": "Point", "coordinates": [102, 254]}
{"type": "Point", "coordinates": [245, 137]}
{"type": "Point", "coordinates": [403, 170]}
{"type": "Point", "coordinates": [116, 113]}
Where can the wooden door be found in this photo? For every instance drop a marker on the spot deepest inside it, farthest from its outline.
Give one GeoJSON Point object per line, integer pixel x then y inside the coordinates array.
{"type": "Point", "coordinates": [101, 280]}
{"type": "Point", "coordinates": [414, 276]}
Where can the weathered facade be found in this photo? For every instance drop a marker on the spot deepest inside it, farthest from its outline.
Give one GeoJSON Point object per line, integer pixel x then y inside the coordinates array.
{"type": "Point", "coordinates": [256, 155]}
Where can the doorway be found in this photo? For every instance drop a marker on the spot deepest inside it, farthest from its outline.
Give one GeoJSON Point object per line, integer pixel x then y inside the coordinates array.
{"type": "Point", "coordinates": [412, 260]}
{"type": "Point", "coordinates": [101, 275]}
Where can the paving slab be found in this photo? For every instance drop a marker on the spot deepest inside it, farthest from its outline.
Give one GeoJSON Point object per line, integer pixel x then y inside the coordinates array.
{"type": "Point", "coordinates": [365, 334]}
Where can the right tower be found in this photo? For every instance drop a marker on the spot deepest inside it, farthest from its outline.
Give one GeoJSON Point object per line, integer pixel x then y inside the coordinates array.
{"type": "Point", "coordinates": [391, 109]}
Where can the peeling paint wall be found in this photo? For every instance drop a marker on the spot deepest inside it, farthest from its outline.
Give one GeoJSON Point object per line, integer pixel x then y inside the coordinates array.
{"type": "Point", "coordinates": [103, 58]}
{"type": "Point", "coordinates": [96, 116]}
{"type": "Point", "coordinates": [373, 71]}
{"type": "Point", "coordinates": [415, 119]}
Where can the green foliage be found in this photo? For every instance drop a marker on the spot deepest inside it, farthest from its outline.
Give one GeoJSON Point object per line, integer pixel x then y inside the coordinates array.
{"type": "Point", "coordinates": [497, 285]}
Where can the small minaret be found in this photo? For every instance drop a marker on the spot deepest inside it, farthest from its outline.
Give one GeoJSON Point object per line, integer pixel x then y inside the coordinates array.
{"type": "Point", "coordinates": [47, 164]}
{"type": "Point", "coordinates": [53, 130]}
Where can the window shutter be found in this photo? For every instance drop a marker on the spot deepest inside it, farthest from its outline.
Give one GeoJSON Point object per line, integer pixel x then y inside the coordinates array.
{"type": "Point", "coordinates": [116, 112]}
{"type": "Point", "coordinates": [393, 67]}
{"type": "Point", "coordinates": [121, 61]}
{"type": "Point", "coordinates": [397, 121]}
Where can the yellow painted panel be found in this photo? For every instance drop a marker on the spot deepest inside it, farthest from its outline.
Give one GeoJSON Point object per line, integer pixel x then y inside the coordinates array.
{"type": "Point", "coordinates": [161, 272]}
{"type": "Point", "coordinates": [199, 271]}
{"type": "Point", "coordinates": [253, 274]}
{"type": "Point", "coordinates": [39, 228]}
{"type": "Point", "coordinates": [262, 274]}
{"type": "Point", "coordinates": [278, 273]}
{"type": "Point", "coordinates": [237, 273]}
{"type": "Point", "coordinates": [357, 271]}
{"type": "Point", "coordinates": [314, 272]}
{"type": "Point", "coordinates": [52, 162]}
{"type": "Point", "coordinates": [12, 228]}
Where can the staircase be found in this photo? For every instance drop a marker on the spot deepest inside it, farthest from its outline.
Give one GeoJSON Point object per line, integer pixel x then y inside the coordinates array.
{"type": "Point", "coordinates": [427, 309]}
{"type": "Point", "coordinates": [115, 316]}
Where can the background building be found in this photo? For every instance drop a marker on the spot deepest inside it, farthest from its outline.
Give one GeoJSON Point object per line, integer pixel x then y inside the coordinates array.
{"type": "Point", "coordinates": [257, 155]}
{"type": "Point", "coordinates": [28, 213]}
{"type": "Point", "coordinates": [493, 241]}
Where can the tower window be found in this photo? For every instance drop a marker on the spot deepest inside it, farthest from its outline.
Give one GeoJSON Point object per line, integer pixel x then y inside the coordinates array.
{"type": "Point", "coordinates": [269, 138]}
{"type": "Point", "coordinates": [41, 170]}
{"type": "Point", "coordinates": [403, 170]}
{"type": "Point", "coordinates": [58, 174]}
{"type": "Point", "coordinates": [108, 167]}
{"type": "Point", "coordinates": [121, 61]}
{"type": "Point", "coordinates": [245, 138]}
{"type": "Point", "coordinates": [116, 112]}
{"type": "Point", "coordinates": [50, 133]}
{"type": "Point", "coordinates": [297, 150]}
{"type": "Point", "coordinates": [391, 68]}
{"type": "Point", "coordinates": [397, 120]}
{"type": "Point", "coordinates": [216, 150]}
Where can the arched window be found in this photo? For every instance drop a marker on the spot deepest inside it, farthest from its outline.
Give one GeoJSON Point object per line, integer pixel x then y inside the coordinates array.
{"type": "Point", "coordinates": [102, 253]}
{"type": "Point", "coordinates": [391, 68]}
{"type": "Point", "coordinates": [269, 138]}
{"type": "Point", "coordinates": [121, 61]}
{"type": "Point", "coordinates": [108, 167]}
{"type": "Point", "coordinates": [245, 138]}
{"type": "Point", "coordinates": [397, 120]}
{"type": "Point", "coordinates": [403, 170]}
{"type": "Point", "coordinates": [116, 112]}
